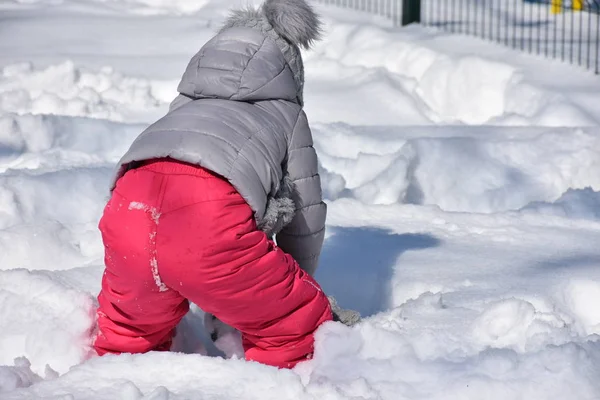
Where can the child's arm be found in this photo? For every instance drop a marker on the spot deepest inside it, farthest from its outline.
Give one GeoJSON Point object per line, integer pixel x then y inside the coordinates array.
{"type": "Point", "coordinates": [303, 237]}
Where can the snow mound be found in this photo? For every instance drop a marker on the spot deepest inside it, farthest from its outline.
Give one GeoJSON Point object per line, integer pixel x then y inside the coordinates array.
{"type": "Point", "coordinates": [43, 320]}
{"type": "Point", "coordinates": [65, 89]}
{"type": "Point", "coordinates": [574, 203]}
{"type": "Point", "coordinates": [17, 376]}
{"type": "Point", "coordinates": [391, 101]}
{"type": "Point", "coordinates": [459, 169]}
{"type": "Point", "coordinates": [71, 196]}
{"type": "Point", "coordinates": [189, 377]}
{"type": "Point", "coordinates": [373, 362]}
{"type": "Point", "coordinates": [49, 220]}
{"type": "Point", "coordinates": [516, 324]}
{"type": "Point", "coordinates": [48, 142]}
{"type": "Point", "coordinates": [581, 298]}
{"type": "Point", "coordinates": [441, 85]}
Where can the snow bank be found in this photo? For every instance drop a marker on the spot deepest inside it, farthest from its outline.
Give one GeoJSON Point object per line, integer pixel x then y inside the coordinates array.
{"type": "Point", "coordinates": [17, 376]}
{"type": "Point", "coordinates": [50, 142]}
{"type": "Point", "coordinates": [56, 172]}
{"type": "Point", "coordinates": [427, 78]}
{"type": "Point", "coordinates": [379, 362]}
{"type": "Point", "coordinates": [369, 362]}
{"type": "Point", "coordinates": [580, 298]}
{"type": "Point", "coordinates": [49, 220]}
{"type": "Point", "coordinates": [65, 89]}
{"type": "Point", "coordinates": [516, 324]}
{"type": "Point", "coordinates": [459, 169]}
{"type": "Point", "coordinates": [71, 196]}
{"type": "Point", "coordinates": [143, 376]}
{"type": "Point", "coordinates": [574, 203]}
{"type": "Point", "coordinates": [44, 320]}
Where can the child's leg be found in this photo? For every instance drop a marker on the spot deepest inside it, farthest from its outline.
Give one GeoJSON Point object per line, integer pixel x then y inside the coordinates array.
{"type": "Point", "coordinates": [137, 313]}
{"type": "Point", "coordinates": [233, 271]}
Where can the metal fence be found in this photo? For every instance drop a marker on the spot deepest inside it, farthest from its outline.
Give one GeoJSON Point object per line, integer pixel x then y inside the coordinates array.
{"type": "Point", "coordinates": [568, 30]}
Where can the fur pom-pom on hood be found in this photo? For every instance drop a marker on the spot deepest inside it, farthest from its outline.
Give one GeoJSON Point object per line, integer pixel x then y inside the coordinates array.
{"type": "Point", "coordinates": [294, 20]}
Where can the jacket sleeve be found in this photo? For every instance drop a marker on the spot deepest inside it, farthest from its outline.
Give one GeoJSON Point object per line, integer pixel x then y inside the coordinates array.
{"type": "Point", "coordinates": [303, 237]}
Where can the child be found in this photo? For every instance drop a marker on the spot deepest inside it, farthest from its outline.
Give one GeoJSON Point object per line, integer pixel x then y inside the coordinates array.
{"type": "Point", "coordinates": [200, 194]}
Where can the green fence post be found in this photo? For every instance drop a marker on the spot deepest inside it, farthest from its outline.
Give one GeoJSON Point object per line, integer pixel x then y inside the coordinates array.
{"type": "Point", "coordinates": [411, 11]}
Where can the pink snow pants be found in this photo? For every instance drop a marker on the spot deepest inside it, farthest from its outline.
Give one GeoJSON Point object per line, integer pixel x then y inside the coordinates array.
{"type": "Point", "coordinates": [175, 233]}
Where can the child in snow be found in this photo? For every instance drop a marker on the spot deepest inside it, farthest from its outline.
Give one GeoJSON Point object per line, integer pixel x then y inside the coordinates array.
{"type": "Point", "coordinates": [200, 194]}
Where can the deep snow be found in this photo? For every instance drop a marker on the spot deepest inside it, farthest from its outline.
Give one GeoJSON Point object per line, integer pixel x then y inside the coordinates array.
{"type": "Point", "coordinates": [463, 183]}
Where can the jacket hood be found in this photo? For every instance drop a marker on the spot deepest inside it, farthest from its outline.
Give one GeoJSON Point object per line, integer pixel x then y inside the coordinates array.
{"type": "Point", "coordinates": [239, 64]}
{"type": "Point", "coordinates": [256, 54]}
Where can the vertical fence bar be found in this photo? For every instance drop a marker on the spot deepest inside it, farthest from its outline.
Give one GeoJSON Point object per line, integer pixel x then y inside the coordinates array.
{"type": "Point", "coordinates": [531, 28]}
{"type": "Point", "coordinates": [580, 37]}
{"type": "Point", "coordinates": [447, 15]}
{"type": "Point", "coordinates": [469, 9]}
{"type": "Point", "coordinates": [521, 22]}
{"type": "Point", "coordinates": [589, 39]}
{"type": "Point", "coordinates": [430, 12]}
{"type": "Point", "coordinates": [564, 38]}
{"type": "Point", "coordinates": [482, 31]}
{"type": "Point", "coordinates": [539, 30]}
{"type": "Point", "coordinates": [499, 24]}
{"type": "Point", "coordinates": [461, 9]}
{"type": "Point", "coordinates": [452, 18]}
{"type": "Point", "coordinates": [555, 41]}
{"type": "Point", "coordinates": [597, 41]}
{"type": "Point", "coordinates": [443, 22]}
{"type": "Point", "coordinates": [572, 32]}
{"type": "Point", "coordinates": [515, 18]}
{"type": "Point", "coordinates": [507, 27]}
{"type": "Point", "coordinates": [547, 38]}
{"type": "Point", "coordinates": [491, 31]}
{"type": "Point", "coordinates": [476, 18]}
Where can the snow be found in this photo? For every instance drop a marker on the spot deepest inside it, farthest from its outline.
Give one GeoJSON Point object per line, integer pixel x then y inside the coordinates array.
{"type": "Point", "coordinates": [463, 189]}
{"type": "Point", "coordinates": [480, 170]}
{"type": "Point", "coordinates": [63, 89]}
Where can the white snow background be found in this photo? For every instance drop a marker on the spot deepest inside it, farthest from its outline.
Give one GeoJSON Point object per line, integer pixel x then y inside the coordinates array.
{"type": "Point", "coordinates": [463, 183]}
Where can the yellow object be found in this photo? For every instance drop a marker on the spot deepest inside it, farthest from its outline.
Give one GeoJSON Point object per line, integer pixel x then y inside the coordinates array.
{"type": "Point", "coordinates": [556, 7]}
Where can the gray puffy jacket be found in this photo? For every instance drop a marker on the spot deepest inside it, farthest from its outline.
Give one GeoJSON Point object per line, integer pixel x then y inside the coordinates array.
{"type": "Point", "coordinates": [240, 115]}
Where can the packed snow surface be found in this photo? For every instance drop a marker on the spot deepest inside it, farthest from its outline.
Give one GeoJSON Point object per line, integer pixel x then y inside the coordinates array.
{"type": "Point", "coordinates": [463, 184]}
